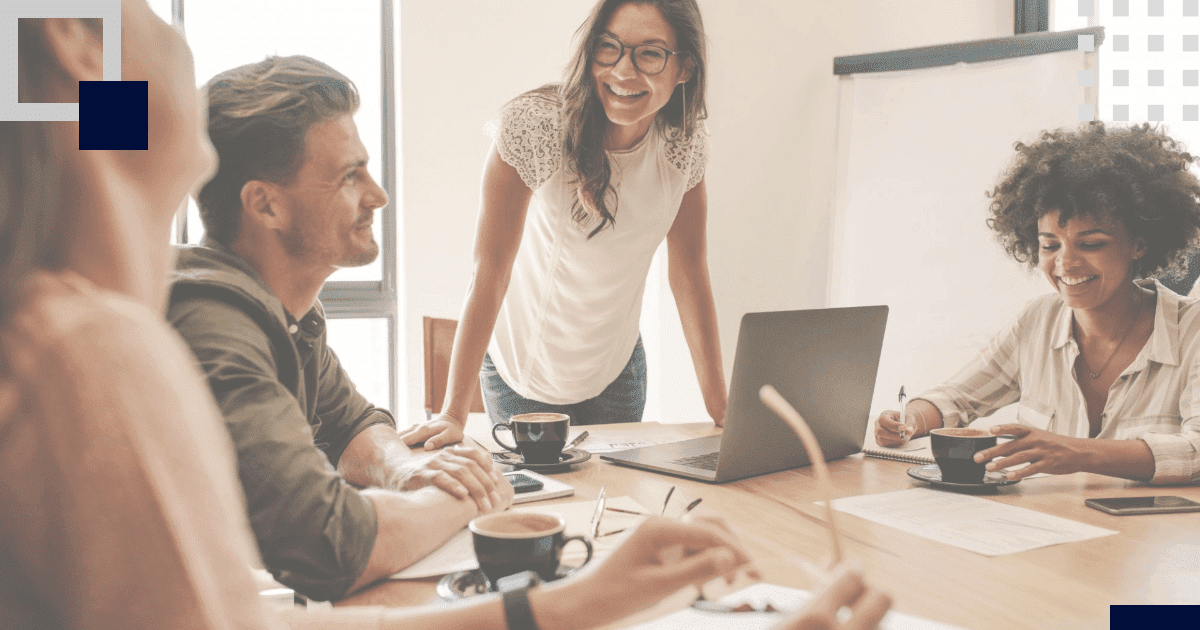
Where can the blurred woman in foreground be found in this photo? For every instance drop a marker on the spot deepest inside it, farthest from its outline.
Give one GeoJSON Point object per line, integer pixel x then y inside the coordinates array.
{"type": "Point", "coordinates": [120, 505]}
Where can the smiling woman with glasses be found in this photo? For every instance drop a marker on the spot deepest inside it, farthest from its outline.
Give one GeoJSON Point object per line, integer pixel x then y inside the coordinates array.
{"type": "Point", "coordinates": [586, 178]}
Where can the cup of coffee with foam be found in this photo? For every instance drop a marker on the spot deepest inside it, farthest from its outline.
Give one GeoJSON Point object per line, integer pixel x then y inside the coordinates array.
{"type": "Point", "coordinates": [507, 543]}
{"type": "Point", "coordinates": [539, 437]}
{"type": "Point", "coordinates": [954, 451]}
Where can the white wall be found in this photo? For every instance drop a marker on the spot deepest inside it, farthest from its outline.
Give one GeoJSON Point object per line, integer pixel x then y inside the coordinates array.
{"type": "Point", "coordinates": [772, 115]}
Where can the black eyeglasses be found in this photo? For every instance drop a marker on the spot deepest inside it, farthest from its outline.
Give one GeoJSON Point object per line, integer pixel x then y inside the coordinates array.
{"type": "Point", "coordinates": [647, 58]}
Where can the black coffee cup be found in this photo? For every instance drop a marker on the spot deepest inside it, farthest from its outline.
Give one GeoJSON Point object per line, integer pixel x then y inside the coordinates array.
{"type": "Point", "coordinates": [539, 437]}
{"type": "Point", "coordinates": [954, 451]}
{"type": "Point", "coordinates": [511, 542]}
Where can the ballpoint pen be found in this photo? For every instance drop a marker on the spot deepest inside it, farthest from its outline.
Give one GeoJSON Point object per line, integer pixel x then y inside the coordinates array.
{"type": "Point", "coordinates": [577, 441]}
{"type": "Point", "coordinates": [598, 514]}
{"type": "Point", "coordinates": [691, 506]}
{"type": "Point", "coordinates": [903, 413]}
{"type": "Point", "coordinates": [669, 493]}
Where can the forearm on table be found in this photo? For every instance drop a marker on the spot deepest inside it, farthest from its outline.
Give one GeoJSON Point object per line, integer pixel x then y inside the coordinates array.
{"type": "Point", "coordinates": [1127, 459]}
{"type": "Point", "coordinates": [471, 339]}
{"type": "Point", "coordinates": [698, 316]}
{"type": "Point", "coordinates": [374, 458]}
{"type": "Point", "coordinates": [410, 525]}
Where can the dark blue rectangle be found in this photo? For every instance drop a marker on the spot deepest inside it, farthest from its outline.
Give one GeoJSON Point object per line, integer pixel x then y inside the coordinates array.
{"type": "Point", "coordinates": [1129, 617]}
{"type": "Point", "coordinates": [113, 115]}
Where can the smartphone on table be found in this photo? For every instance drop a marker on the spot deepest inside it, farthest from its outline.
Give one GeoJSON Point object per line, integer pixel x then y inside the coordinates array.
{"type": "Point", "coordinates": [523, 483]}
{"type": "Point", "coordinates": [1124, 506]}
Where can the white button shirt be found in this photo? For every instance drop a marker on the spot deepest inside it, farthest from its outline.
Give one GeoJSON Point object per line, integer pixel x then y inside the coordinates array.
{"type": "Point", "coordinates": [1156, 399]}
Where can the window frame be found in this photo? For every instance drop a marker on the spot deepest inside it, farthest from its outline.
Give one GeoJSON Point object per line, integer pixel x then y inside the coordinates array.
{"type": "Point", "coordinates": [359, 299]}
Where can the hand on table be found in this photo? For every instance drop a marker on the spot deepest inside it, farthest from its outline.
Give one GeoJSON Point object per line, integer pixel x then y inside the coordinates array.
{"type": "Point", "coordinates": [436, 432]}
{"type": "Point", "coordinates": [887, 429]}
{"type": "Point", "coordinates": [461, 471]}
{"type": "Point", "coordinates": [659, 557]}
{"type": "Point", "coordinates": [844, 586]}
{"type": "Point", "coordinates": [1047, 452]}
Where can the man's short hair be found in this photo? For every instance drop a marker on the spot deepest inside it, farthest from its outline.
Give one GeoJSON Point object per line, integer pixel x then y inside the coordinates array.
{"type": "Point", "coordinates": [258, 117]}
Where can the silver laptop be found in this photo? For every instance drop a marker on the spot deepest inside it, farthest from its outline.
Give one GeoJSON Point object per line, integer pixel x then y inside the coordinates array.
{"type": "Point", "coordinates": [822, 361]}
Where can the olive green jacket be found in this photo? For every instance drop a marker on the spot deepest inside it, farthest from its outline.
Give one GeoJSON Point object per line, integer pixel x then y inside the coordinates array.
{"type": "Point", "coordinates": [291, 411]}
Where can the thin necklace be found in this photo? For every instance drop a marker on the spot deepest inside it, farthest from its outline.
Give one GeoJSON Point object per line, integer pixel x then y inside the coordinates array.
{"type": "Point", "coordinates": [1123, 338]}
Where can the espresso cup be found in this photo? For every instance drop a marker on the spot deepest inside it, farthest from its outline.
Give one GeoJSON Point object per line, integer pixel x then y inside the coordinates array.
{"type": "Point", "coordinates": [954, 451]}
{"type": "Point", "coordinates": [511, 542]}
{"type": "Point", "coordinates": [539, 437]}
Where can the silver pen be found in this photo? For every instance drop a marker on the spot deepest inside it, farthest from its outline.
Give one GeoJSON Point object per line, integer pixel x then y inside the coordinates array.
{"type": "Point", "coordinates": [903, 414]}
{"type": "Point", "coordinates": [598, 514]}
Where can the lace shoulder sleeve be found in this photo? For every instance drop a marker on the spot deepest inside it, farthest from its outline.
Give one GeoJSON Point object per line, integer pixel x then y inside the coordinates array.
{"type": "Point", "coordinates": [527, 133]}
{"type": "Point", "coordinates": [689, 155]}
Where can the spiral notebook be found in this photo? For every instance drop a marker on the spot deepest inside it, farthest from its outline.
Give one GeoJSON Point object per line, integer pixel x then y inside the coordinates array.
{"type": "Point", "coordinates": [916, 452]}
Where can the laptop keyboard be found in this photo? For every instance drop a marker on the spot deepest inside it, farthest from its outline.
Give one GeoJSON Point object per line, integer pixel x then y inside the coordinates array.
{"type": "Point", "coordinates": [707, 461]}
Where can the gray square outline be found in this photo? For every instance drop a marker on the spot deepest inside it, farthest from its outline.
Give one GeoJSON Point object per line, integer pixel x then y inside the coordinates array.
{"type": "Point", "coordinates": [1191, 113]}
{"type": "Point", "coordinates": [1155, 78]}
{"type": "Point", "coordinates": [1155, 113]}
{"type": "Point", "coordinates": [1154, 8]}
{"type": "Point", "coordinates": [1121, 43]}
{"type": "Point", "coordinates": [1121, 78]}
{"type": "Point", "coordinates": [1155, 43]}
{"type": "Point", "coordinates": [1120, 112]}
{"type": "Point", "coordinates": [1120, 8]}
{"type": "Point", "coordinates": [1191, 78]}
{"type": "Point", "coordinates": [107, 10]}
{"type": "Point", "coordinates": [1191, 43]}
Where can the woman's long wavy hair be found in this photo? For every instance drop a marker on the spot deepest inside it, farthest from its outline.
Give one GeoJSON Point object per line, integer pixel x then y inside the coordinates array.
{"type": "Point", "coordinates": [585, 123]}
{"type": "Point", "coordinates": [31, 177]}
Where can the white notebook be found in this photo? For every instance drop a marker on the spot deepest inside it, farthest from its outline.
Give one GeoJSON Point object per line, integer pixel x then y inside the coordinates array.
{"type": "Point", "coordinates": [916, 451]}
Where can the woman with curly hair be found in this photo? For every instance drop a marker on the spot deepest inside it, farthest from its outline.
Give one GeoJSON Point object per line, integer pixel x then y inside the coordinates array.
{"type": "Point", "coordinates": [586, 178]}
{"type": "Point", "coordinates": [1106, 370]}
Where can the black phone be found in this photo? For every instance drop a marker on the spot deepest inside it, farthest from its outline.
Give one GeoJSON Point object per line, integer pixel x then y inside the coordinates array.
{"type": "Point", "coordinates": [523, 483]}
{"type": "Point", "coordinates": [1123, 506]}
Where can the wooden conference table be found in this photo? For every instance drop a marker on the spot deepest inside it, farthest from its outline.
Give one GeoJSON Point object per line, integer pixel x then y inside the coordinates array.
{"type": "Point", "coordinates": [1153, 560]}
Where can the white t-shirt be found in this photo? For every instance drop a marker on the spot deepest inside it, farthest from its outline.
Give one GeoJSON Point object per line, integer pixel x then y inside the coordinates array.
{"type": "Point", "coordinates": [569, 321]}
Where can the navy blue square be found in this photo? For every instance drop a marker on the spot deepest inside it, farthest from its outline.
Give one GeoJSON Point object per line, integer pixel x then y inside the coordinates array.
{"type": "Point", "coordinates": [113, 115]}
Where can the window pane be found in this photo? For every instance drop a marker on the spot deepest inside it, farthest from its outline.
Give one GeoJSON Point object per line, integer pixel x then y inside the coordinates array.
{"type": "Point", "coordinates": [162, 8]}
{"type": "Point", "coordinates": [346, 35]}
{"type": "Point", "coordinates": [362, 347]}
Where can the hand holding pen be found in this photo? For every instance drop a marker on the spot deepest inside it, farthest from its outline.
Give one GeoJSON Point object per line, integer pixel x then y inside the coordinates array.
{"type": "Point", "coordinates": [893, 429]}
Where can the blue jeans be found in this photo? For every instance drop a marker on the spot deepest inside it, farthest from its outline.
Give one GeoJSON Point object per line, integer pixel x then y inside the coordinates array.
{"type": "Point", "coordinates": [623, 400]}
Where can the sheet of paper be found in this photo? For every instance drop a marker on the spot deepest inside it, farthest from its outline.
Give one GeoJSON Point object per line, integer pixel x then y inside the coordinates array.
{"type": "Point", "coordinates": [643, 436]}
{"type": "Point", "coordinates": [458, 553]}
{"type": "Point", "coordinates": [973, 523]}
{"type": "Point", "coordinates": [780, 597]}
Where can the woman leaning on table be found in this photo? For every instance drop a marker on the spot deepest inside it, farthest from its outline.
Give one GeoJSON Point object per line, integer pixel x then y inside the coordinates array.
{"type": "Point", "coordinates": [1106, 370]}
{"type": "Point", "coordinates": [121, 506]}
{"type": "Point", "coordinates": [584, 181]}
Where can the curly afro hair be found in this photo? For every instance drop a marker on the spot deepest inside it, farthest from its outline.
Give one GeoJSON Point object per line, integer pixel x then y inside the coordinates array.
{"type": "Point", "coordinates": [1136, 175]}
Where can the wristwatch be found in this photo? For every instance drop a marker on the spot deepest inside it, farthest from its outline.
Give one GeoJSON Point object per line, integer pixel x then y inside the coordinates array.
{"type": "Point", "coordinates": [514, 589]}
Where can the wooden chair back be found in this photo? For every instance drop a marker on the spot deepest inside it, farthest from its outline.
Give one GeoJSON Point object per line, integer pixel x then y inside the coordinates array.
{"type": "Point", "coordinates": [439, 340]}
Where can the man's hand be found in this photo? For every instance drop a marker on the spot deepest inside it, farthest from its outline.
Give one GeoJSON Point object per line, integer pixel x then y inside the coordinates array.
{"type": "Point", "coordinates": [437, 432]}
{"type": "Point", "coordinates": [1046, 452]}
{"type": "Point", "coordinates": [461, 471]}
{"type": "Point", "coordinates": [844, 587]}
